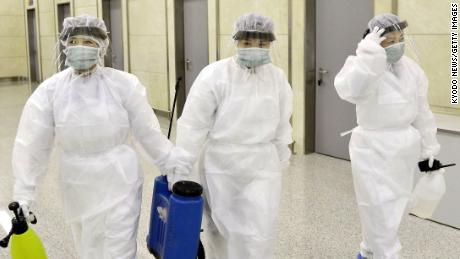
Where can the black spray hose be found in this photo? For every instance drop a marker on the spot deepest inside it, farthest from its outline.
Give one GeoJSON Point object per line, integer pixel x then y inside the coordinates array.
{"type": "Point", "coordinates": [174, 106]}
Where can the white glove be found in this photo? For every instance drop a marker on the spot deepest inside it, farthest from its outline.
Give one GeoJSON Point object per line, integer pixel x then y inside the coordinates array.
{"type": "Point", "coordinates": [174, 177]}
{"type": "Point", "coordinates": [376, 35]}
{"type": "Point", "coordinates": [430, 161]}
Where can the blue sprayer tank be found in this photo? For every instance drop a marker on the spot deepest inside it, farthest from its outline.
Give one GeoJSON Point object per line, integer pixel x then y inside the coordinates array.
{"type": "Point", "coordinates": [175, 220]}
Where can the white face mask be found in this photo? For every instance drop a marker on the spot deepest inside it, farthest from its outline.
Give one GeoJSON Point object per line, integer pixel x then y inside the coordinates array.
{"type": "Point", "coordinates": [253, 57]}
{"type": "Point", "coordinates": [395, 52]}
{"type": "Point", "coordinates": [82, 57]}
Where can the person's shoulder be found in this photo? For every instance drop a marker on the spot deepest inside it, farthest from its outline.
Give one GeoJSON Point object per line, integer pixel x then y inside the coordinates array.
{"type": "Point", "coordinates": [409, 61]}
{"type": "Point", "coordinates": [54, 81]}
{"type": "Point", "coordinates": [274, 72]}
{"type": "Point", "coordinates": [214, 70]}
{"type": "Point", "coordinates": [278, 70]}
{"type": "Point", "coordinates": [412, 64]}
{"type": "Point", "coordinates": [45, 91]}
{"type": "Point", "coordinates": [119, 75]}
{"type": "Point", "coordinates": [123, 82]}
{"type": "Point", "coordinates": [218, 66]}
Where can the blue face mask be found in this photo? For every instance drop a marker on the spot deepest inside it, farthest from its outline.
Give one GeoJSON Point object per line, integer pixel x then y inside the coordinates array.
{"type": "Point", "coordinates": [253, 57]}
{"type": "Point", "coordinates": [81, 57]}
{"type": "Point", "coordinates": [395, 52]}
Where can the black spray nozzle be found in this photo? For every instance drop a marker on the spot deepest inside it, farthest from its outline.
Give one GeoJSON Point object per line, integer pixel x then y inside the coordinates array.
{"type": "Point", "coordinates": [14, 207]}
{"type": "Point", "coordinates": [19, 214]}
{"type": "Point", "coordinates": [425, 167]}
{"type": "Point", "coordinates": [4, 242]}
{"type": "Point", "coordinates": [18, 222]}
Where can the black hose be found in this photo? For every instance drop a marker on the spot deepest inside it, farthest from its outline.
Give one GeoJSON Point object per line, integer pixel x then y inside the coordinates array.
{"type": "Point", "coordinates": [174, 106]}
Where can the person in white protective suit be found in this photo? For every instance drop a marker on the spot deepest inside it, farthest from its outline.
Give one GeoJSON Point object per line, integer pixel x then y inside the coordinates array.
{"type": "Point", "coordinates": [237, 114]}
{"type": "Point", "coordinates": [90, 111]}
{"type": "Point", "coordinates": [395, 130]}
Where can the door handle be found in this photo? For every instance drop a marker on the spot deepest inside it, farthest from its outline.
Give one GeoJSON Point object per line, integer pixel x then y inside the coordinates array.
{"type": "Point", "coordinates": [187, 64]}
{"type": "Point", "coordinates": [321, 73]}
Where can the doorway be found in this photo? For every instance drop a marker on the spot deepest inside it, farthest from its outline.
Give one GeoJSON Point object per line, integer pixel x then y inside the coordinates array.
{"type": "Point", "coordinates": [191, 26]}
{"type": "Point", "coordinates": [195, 39]}
{"type": "Point", "coordinates": [339, 28]}
{"type": "Point", "coordinates": [63, 11]}
{"type": "Point", "coordinates": [113, 18]}
{"type": "Point", "coordinates": [34, 72]}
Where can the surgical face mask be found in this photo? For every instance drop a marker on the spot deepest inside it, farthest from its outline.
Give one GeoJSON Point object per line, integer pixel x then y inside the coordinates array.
{"type": "Point", "coordinates": [253, 57]}
{"type": "Point", "coordinates": [82, 57]}
{"type": "Point", "coordinates": [395, 52]}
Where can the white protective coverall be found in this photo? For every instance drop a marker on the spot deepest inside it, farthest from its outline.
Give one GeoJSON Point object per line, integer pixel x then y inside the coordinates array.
{"type": "Point", "coordinates": [239, 120]}
{"type": "Point", "coordinates": [90, 117]}
{"type": "Point", "coordinates": [395, 130]}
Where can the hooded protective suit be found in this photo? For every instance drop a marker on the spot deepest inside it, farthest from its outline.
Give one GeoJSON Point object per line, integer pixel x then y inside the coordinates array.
{"type": "Point", "coordinates": [91, 116]}
{"type": "Point", "coordinates": [395, 129]}
{"type": "Point", "coordinates": [240, 121]}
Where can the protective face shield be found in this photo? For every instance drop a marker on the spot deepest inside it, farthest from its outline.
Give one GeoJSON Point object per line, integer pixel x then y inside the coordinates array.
{"type": "Point", "coordinates": [398, 40]}
{"type": "Point", "coordinates": [83, 27]}
{"type": "Point", "coordinates": [253, 25]}
{"type": "Point", "coordinates": [253, 42]}
{"type": "Point", "coordinates": [244, 35]}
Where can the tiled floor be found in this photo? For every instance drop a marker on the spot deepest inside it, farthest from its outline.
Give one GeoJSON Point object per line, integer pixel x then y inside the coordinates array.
{"type": "Point", "coordinates": [318, 217]}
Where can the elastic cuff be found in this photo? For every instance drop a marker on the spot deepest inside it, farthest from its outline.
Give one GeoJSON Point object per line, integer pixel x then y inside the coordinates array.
{"type": "Point", "coordinates": [427, 153]}
{"type": "Point", "coordinates": [180, 158]}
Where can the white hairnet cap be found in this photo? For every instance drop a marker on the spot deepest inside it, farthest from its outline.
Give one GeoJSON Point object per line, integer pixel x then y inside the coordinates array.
{"type": "Point", "coordinates": [256, 25]}
{"type": "Point", "coordinates": [383, 21]}
{"type": "Point", "coordinates": [88, 26]}
{"type": "Point", "coordinates": [84, 20]}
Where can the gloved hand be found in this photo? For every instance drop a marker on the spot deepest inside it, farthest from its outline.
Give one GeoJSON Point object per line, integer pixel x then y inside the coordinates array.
{"type": "Point", "coordinates": [376, 35]}
{"type": "Point", "coordinates": [24, 208]}
{"type": "Point", "coordinates": [431, 164]}
{"type": "Point", "coordinates": [431, 161]}
{"type": "Point", "coordinates": [175, 176]}
{"type": "Point", "coordinates": [428, 164]}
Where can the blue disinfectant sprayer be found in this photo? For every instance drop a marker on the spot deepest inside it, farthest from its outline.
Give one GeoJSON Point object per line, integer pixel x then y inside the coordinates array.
{"type": "Point", "coordinates": [24, 243]}
{"type": "Point", "coordinates": [175, 219]}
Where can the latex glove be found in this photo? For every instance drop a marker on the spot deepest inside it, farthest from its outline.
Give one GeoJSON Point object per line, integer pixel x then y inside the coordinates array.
{"type": "Point", "coordinates": [24, 207]}
{"type": "Point", "coordinates": [174, 177]}
{"type": "Point", "coordinates": [376, 35]}
{"type": "Point", "coordinates": [430, 161]}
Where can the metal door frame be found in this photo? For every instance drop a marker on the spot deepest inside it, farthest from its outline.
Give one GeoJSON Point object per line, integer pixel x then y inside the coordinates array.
{"type": "Point", "coordinates": [35, 8]}
{"type": "Point", "coordinates": [125, 33]}
{"type": "Point", "coordinates": [124, 27]}
{"type": "Point", "coordinates": [56, 18]}
{"type": "Point", "coordinates": [179, 48]}
{"type": "Point", "coordinates": [310, 76]}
